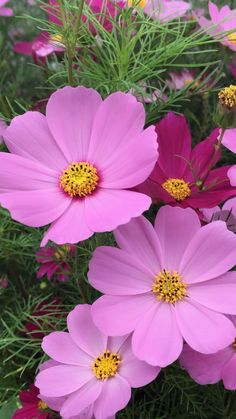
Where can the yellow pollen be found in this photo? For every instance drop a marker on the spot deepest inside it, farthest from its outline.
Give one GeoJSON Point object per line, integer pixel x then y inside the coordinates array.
{"type": "Point", "coordinates": [177, 188]}
{"type": "Point", "coordinates": [137, 3]}
{"type": "Point", "coordinates": [79, 179]}
{"type": "Point", "coordinates": [227, 96]}
{"type": "Point", "coordinates": [42, 405]}
{"type": "Point", "coordinates": [106, 365]}
{"type": "Point", "coordinates": [232, 38]}
{"type": "Point", "coordinates": [56, 37]}
{"type": "Point", "coordinates": [62, 251]}
{"type": "Point", "coordinates": [168, 286]}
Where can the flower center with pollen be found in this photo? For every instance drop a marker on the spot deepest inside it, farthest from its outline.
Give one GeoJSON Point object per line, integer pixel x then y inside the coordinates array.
{"type": "Point", "coordinates": [232, 38]}
{"type": "Point", "coordinates": [42, 405]}
{"type": "Point", "coordinates": [168, 286]}
{"type": "Point", "coordinates": [106, 365]}
{"type": "Point", "coordinates": [227, 96]}
{"type": "Point", "coordinates": [79, 179]}
{"type": "Point", "coordinates": [177, 188]}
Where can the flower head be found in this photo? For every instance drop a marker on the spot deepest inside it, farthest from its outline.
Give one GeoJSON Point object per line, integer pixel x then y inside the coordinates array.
{"type": "Point", "coordinates": [55, 261]}
{"type": "Point", "coordinates": [41, 47]}
{"type": "Point", "coordinates": [32, 406]}
{"type": "Point", "coordinates": [183, 176]}
{"type": "Point", "coordinates": [167, 284]}
{"type": "Point", "coordinates": [91, 371]}
{"type": "Point", "coordinates": [5, 11]}
{"type": "Point", "coordinates": [74, 167]}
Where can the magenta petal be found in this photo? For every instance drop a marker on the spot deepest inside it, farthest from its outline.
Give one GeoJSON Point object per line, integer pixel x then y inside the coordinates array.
{"type": "Point", "coordinates": [115, 272]}
{"type": "Point", "coordinates": [115, 395]}
{"type": "Point", "coordinates": [71, 227]}
{"type": "Point", "coordinates": [204, 330]}
{"type": "Point", "coordinates": [211, 252]}
{"type": "Point", "coordinates": [217, 294]}
{"type": "Point", "coordinates": [108, 208]}
{"type": "Point", "coordinates": [29, 136]}
{"type": "Point", "coordinates": [60, 347]}
{"type": "Point", "coordinates": [116, 315]}
{"type": "Point", "coordinates": [175, 225]}
{"type": "Point", "coordinates": [84, 397]}
{"type": "Point", "coordinates": [84, 332]}
{"type": "Point", "coordinates": [23, 47]}
{"type": "Point", "coordinates": [62, 379]}
{"type": "Point", "coordinates": [139, 239]}
{"type": "Point", "coordinates": [229, 374]}
{"type": "Point", "coordinates": [157, 339]}
{"type": "Point", "coordinates": [70, 113]}
{"type": "Point", "coordinates": [203, 153]}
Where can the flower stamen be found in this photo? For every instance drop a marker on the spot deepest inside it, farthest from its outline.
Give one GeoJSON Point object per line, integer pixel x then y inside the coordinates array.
{"type": "Point", "coordinates": [79, 179]}
{"type": "Point", "coordinates": [177, 188]}
{"type": "Point", "coordinates": [227, 96]}
{"type": "Point", "coordinates": [232, 38]}
{"type": "Point", "coordinates": [42, 405]}
{"type": "Point", "coordinates": [106, 365]}
{"type": "Point", "coordinates": [168, 286]}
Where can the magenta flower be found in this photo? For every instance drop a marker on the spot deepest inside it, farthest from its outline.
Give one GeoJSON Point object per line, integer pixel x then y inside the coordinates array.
{"type": "Point", "coordinates": [32, 406]}
{"type": "Point", "coordinates": [74, 166]}
{"type": "Point", "coordinates": [55, 261]}
{"type": "Point", "coordinates": [221, 20]}
{"type": "Point", "coordinates": [40, 48]}
{"type": "Point", "coordinates": [181, 175]}
{"type": "Point", "coordinates": [5, 11]}
{"type": "Point", "coordinates": [209, 369]}
{"type": "Point", "coordinates": [229, 141]}
{"type": "Point", "coordinates": [93, 371]}
{"type": "Point", "coordinates": [167, 284]}
{"type": "Point", "coordinates": [164, 10]}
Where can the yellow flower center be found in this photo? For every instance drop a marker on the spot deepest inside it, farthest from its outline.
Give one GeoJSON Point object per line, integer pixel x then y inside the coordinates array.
{"type": "Point", "coordinates": [227, 96]}
{"type": "Point", "coordinates": [79, 179]}
{"type": "Point", "coordinates": [232, 38]}
{"type": "Point", "coordinates": [137, 3]}
{"type": "Point", "coordinates": [57, 37]}
{"type": "Point", "coordinates": [62, 251]}
{"type": "Point", "coordinates": [177, 188]}
{"type": "Point", "coordinates": [168, 286]}
{"type": "Point", "coordinates": [42, 405]}
{"type": "Point", "coordinates": [106, 365]}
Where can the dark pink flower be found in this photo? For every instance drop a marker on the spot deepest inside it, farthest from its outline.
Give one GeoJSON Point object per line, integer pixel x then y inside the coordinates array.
{"type": "Point", "coordinates": [40, 47]}
{"type": "Point", "coordinates": [32, 406]}
{"type": "Point", "coordinates": [43, 311]}
{"type": "Point", "coordinates": [181, 175]}
{"type": "Point", "coordinates": [55, 261]}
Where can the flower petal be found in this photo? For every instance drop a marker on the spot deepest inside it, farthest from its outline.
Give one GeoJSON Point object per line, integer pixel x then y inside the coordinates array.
{"type": "Point", "coordinates": [229, 139]}
{"type": "Point", "coordinates": [211, 252]}
{"type": "Point", "coordinates": [204, 330]}
{"type": "Point", "coordinates": [157, 339]}
{"type": "Point", "coordinates": [229, 374]}
{"type": "Point", "coordinates": [70, 113]}
{"type": "Point", "coordinates": [174, 226]}
{"type": "Point", "coordinates": [114, 272]}
{"type": "Point", "coordinates": [232, 175]}
{"type": "Point", "coordinates": [84, 332]}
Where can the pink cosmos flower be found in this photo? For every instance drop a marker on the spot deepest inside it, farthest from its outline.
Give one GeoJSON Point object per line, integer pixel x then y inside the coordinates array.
{"type": "Point", "coordinates": [221, 20]}
{"type": "Point", "coordinates": [209, 369]}
{"type": "Point", "coordinates": [167, 284]}
{"type": "Point", "coordinates": [165, 10]}
{"type": "Point", "coordinates": [55, 261]}
{"type": "Point", "coordinates": [227, 213]}
{"type": "Point", "coordinates": [5, 11]}
{"type": "Point", "coordinates": [40, 48]}
{"type": "Point", "coordinates": [3, 127]}
{"type": "Point", "coordinates": [229, 141]}
{"type": "Point", "coordinates": [181, 175]}
{"type": "Point", "coordinates": [93, 371]}
{"type": "Point", "coordinates": [180, 80]}
{"type": "Point", "coordinates": [74, 167]}
{"type": "Point", "coordinates": [32, 406]}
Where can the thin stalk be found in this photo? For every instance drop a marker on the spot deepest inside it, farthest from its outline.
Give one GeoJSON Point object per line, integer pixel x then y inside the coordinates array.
{"type": "Point", "coordinates": [79, 18]}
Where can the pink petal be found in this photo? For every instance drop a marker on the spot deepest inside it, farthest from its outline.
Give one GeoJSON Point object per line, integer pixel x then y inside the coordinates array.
{"type": "Point", "coordinates": [60, 347]}
{"type": "Point", "coordinates": [23, 47]}
{"type": "Point", "coordinates": [71, 227]}
{"type": "Point", "coordinates": [108, 208]}
{"type": "Point", "coordinates": [232, 175]}
{"type": "Point", "coordinates": [6, 11]}
{"type": "Point", "coordinates": [203, 153]}
{"type": "Point", "coordinates": [229, 374]}
{"type": "Point", "coordinates": [175, 225]}
{"type": "Point", "coordinates": [29, 136]}
{"type": "Point", "coordinates": [229, 139]}
{"type": "Point", "coordinates": [70, 113]}
{"type": "Point", "coordinates": [82, 398]}
{"type": "Point", "coordinates": [217, 294]}
{"type": "Point", "coordinates": [114, 272]}
{"type": "Point", "coordinates": [119, 118]}
{"type": "Point", "coordinates": [211, 252]}
{"type": "Point", "coordinates": [157, 339]}
{"type": "Point", "coordinates": [62, 379]}
{"type": "Point", "coordinates": [84, 332]}
{"type": "Point", "coordinates": [139, 239]}
{"type": "Point", "coordinates": [204, 330]}
{"type": "Point", "coordinates": [202, 368]}
{"type": "Point", "coordinates": [121, 170]}
{"type": "Point", "coordinates": [117, 316]}
{"type": "Point", "coordinates": [115, 395]}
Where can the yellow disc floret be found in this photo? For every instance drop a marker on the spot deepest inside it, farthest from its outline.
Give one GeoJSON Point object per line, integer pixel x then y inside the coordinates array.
{"type": "Point", "coordinates": [227, 96]}
{"type": "Point", "coordinates": [168, 286]}
{"type": "Point", "coordinates": [232, 38]}
{"type": "Point", "coordinates": [42, 405]}
{"type": "Point", "coordinates": [79, 179]}
{"type": "Point", "coordinates": [62, 251]}
{"type": "Point", "coordinates": [106, 365]}
{"type": "Point", "coordinates": [177, 188]}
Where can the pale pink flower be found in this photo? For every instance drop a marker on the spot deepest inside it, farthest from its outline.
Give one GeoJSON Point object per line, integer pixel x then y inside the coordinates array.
{"type": "Point", "coordinates": [92, 371]}
{"type": "Point", "coordinates": [167, 284]}
{"type": "Point", "coordinates": [165, 10]}
{"type": "Point", "coordinates": [5, 11]}
{"type": "Point", "coordinates": [75, 166]}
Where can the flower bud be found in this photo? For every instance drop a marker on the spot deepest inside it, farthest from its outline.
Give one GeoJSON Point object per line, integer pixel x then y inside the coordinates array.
{"type": "Point", "coordinates": [225, 115]}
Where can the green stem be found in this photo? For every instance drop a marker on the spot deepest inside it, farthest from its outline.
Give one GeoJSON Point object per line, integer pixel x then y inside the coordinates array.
{"type": "Point", "coordinates": [79, 18]}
